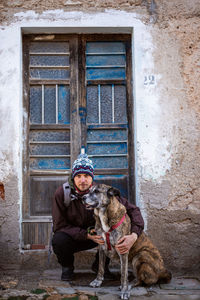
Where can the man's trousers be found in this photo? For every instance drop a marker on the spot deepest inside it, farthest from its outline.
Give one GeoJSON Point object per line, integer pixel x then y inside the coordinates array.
{"type": "Point", "coordinates": [64, 247]}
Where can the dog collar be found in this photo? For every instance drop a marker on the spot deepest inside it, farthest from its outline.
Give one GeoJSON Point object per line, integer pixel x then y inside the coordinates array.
{"type": "Point", "coordinates": [111, 229]}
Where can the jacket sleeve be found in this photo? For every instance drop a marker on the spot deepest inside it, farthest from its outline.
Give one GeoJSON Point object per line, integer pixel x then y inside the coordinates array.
{"type": "Point", "coordinates": [60, 222]}
{"type": "Point", "coordinates": [137, 222]}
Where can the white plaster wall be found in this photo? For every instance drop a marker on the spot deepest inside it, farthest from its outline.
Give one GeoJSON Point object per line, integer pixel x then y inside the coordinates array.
{"type": "Point", "coordinates": [10, 100]}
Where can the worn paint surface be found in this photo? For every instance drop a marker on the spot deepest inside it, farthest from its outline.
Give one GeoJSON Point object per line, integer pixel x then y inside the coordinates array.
{"type": "Point", "coordinates": [167, 113]}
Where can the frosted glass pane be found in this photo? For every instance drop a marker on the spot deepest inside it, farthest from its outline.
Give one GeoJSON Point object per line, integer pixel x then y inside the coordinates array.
{"type": "Point", "coordinates": [49, 149]}
{"type": "Point", "coordinates": [49, 163]}
{"type": "Point", "coordinates": [105, 73]}
{"type": "Point", "coordinates": [120, 104]}
{"type": "Point", "coordinates": [49, 105]}
{"type": "Point", "coordinates": [106, 103]}
{"type": "Point", "coordinates": [105, 60]}
{"type": "Point", "coordinates": [46, 135]}
{"type": "Point", "coordinates": [105, 47]}
{"type": "Point", "coordinates": [106, 148]}
{"type": "Point", "coordinates": [36, 105]}
{"type": "Point", "coordinates": [49, 74]}
{"type": "Point", "coordinates": [49, 47]}
{"type": "Point", "coordinates": [110, 162]}
{"type": "Point", "coordinates": [92, 104]}
{"type": "Point", "coordinates": [45, 60]}
{"type": "Point", "coordinates": [63, 104]}
{"type": "Point", "coordinates": [107, 135]}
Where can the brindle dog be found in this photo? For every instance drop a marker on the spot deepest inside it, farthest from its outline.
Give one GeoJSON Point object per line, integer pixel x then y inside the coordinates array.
{"type": "Point", "coordinates": [148, 266]}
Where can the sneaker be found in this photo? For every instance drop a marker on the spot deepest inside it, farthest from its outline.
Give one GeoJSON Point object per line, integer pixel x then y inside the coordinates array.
{"type": "Point", "coordinates": [67, 273]}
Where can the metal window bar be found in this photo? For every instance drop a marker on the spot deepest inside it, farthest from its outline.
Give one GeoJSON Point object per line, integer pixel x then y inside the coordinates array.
{"type": "Point", "coordinates": [99, 100]}
{"type": "Point", "coordinates": [49, 67]}
{"type": "Point", "coordinates": [56, 104]}
{"type": "Point", "coordinates": [42, 103]}
{"type": "Point", "coordinates": [106, 67]}
{"type": "Point", "coordinates": [49, 142]}
{"type": "Point", "coordinates": [108, 155]}
{"type": "Point", "coordinates": [113, 104]}
{"type": "Point", "coordinates": [50, 53]}
{"type": "Point", "coordinates": [106, 142]}
{"type": "Point", "coordinates": [48, 156]}
{"type": "Point", "coordinates": [106, 53]}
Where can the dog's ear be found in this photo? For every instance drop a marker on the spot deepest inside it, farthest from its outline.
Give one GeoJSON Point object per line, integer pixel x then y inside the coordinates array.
{"type": "Point", "coordinates": [113, 192]}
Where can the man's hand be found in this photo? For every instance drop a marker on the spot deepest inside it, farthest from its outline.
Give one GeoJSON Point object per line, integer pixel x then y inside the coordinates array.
{"type": "Point", "coordinates": [96, 238]}
{"type": "Point", "coordinates": [125, 243]}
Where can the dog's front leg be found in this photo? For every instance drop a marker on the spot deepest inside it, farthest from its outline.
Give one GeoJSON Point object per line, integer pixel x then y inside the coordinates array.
{"type": "Point", "coordinates": [100, 276]}
{"type": "Point", "coordinates": [125, 291]}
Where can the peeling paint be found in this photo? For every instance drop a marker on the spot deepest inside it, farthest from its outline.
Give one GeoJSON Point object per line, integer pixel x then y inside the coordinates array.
{"type": "Point", "coordinates": [2, 191]}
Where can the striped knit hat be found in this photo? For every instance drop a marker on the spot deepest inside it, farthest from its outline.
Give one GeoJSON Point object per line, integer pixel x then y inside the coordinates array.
{"type": "Point", "coordinates": [82, 165]}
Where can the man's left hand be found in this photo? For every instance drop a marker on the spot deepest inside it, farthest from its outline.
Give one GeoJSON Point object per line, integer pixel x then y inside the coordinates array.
{"type": "Point", "coordinates": [125, 243]}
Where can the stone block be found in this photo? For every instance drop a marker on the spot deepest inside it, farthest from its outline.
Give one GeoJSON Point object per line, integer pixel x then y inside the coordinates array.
{"type": "Point", "coordinates": [182, 284]}
{"type": "Point", "coordinates": [66, 290]}
{"type": "Point", "coordinates": [139, 291]}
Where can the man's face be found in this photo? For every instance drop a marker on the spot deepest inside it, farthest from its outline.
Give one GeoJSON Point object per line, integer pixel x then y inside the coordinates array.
{"type": "Point", "coordinates": [83, 181]}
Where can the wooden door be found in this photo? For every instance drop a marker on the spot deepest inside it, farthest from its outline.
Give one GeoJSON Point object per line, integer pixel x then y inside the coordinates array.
{"type": "Point", "coordinates": [77, 93]}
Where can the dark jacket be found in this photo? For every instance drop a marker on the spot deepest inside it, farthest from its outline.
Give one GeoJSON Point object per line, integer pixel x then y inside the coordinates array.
{"type": "Point", "coordinates": [75, 219]}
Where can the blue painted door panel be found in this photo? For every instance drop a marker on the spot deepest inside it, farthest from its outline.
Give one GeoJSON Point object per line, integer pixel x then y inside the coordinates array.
{"type": "Point", "coordinates": [105, 60]}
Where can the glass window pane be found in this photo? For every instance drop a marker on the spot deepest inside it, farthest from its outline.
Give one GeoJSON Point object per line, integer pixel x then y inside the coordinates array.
{"type": "Point", "coordinates": [49, 47]}
{"type": "Point", "coordinates": [45, 135]}
{"type": "Point", "coordinates": [105, 47]}
{"type": "Point", "coordinates": [105, 73]}
{"type": "Point", "coordinates": [63, 104]}
{"type": "Point", "coordinates": [36, 104]}
{"type": "Point", "coordinates": [107, 135]}
{"type": "Point", "coordinates": [52, 60]}
{"type": "Point", "coordinates": [120, 104]}
{"type": "Point", "coordinates": [106, 103]}
{"type": "Point", "coordinates": [49, 163]}
{"type": "Point", "coordinates": [49, 74]}
{"type": "Point", "coordinates": [49, 149]}
{"type": "Point", "coordinates": [92, 104]}
{"type": "Point", "coordinates": [107, 148]}
{"type": "Point", "coordinates": [110, 162]}
{"type": "Point", "coordinates": [105, 60]}
{"type": "Point", "coordinates": [49, 105]}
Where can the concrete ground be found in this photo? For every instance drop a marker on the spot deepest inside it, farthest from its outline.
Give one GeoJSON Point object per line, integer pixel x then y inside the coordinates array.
{"type": "Point", "coordinates": [46, 284]}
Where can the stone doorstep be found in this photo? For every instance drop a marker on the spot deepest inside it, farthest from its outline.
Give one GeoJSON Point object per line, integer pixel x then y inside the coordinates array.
{"type": "Point", "coordinates": [178, 286]}
{"type": "Point", "coordinates": [50, 280]}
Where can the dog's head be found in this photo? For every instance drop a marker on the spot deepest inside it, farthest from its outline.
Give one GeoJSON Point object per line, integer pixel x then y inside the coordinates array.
{"type": "Point", "coordinates": [99, 196]}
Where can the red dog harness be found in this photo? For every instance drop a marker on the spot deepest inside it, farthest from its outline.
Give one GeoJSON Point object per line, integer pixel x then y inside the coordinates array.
{"type": "Point", "coordinates": [111, 229]}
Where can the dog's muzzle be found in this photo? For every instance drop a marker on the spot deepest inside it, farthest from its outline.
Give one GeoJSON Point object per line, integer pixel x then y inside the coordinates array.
{"type": "Point", "coordinates": [88, 205]}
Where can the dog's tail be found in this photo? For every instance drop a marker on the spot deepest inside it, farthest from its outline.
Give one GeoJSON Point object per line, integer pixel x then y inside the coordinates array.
{"type": "Point", "coordinates": [165, 276]}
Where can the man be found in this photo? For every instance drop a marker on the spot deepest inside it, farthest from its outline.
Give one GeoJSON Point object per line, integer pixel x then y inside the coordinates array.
{"type": "Point", "coordinates": [71, 221]}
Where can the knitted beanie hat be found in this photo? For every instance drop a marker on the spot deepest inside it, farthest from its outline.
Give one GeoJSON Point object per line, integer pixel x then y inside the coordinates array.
{"type": "Point", "coordinates": [82, 165]}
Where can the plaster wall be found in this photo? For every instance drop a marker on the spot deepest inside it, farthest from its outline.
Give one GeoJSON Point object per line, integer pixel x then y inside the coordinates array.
{"type": "Point", "coordinates": [166, 44]}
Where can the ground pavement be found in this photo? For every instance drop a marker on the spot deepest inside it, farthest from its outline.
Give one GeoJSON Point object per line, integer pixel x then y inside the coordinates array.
{"type": "Point", "coordinates": [46, 284]}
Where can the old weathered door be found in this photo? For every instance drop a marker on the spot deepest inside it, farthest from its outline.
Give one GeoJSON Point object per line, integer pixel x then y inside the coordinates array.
{"type": "Point", "coordinates": [77, 93]}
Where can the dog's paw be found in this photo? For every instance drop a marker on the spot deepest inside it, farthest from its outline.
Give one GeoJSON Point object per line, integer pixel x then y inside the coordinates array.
{"type": "Point", "coordinates": [96, 283]}
{"type": "Point", "coordinates": [125, 293]}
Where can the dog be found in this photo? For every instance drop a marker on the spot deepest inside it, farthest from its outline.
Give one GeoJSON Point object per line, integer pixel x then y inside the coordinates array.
{"type": "Point", "coordinates": [112, 223]}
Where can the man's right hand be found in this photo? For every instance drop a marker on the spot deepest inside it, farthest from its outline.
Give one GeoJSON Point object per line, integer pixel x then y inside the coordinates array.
{"type": "Point", "coordinates": [96, 238]}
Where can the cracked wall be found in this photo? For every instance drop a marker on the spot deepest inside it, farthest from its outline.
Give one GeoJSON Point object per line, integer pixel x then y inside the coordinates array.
{"type": "Point", "coordinates": [166, 47]}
